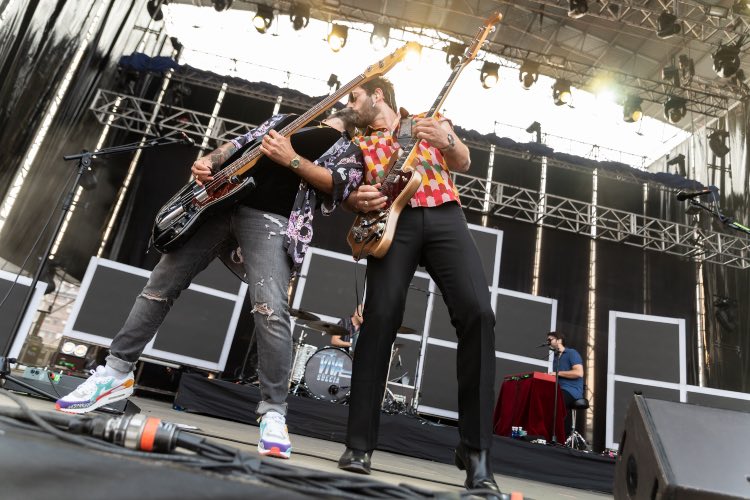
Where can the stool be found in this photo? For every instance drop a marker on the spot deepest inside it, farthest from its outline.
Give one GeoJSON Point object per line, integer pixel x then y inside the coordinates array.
{"type": "Point", "coordinates": [575, 440]}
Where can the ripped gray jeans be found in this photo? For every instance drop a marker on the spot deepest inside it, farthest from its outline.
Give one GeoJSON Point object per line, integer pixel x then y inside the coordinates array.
{"type": "Point", "coordinates": [268, 270]}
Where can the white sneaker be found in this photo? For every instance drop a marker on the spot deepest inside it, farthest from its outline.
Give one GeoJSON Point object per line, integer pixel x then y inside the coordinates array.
{"type": "Point", "coordinates": [274, 437]}
{"type": "Point", "coordinates": [98, 390]}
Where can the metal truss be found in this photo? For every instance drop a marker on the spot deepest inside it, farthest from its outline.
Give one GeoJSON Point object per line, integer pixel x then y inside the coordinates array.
{"type": "Point", "coordinates": [602, 223]}
{"type": "Point", "coordinates": [488, 197]}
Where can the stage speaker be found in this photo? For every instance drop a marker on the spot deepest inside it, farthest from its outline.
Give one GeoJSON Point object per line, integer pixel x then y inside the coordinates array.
{"type": "Point", "coordinates": [680, 451]}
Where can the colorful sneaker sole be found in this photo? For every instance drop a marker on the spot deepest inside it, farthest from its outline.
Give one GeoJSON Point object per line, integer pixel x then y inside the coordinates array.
{"type": "Point", "coordinates": [274, 451]}
{"type": "Point", "coordinates": [117, 394]}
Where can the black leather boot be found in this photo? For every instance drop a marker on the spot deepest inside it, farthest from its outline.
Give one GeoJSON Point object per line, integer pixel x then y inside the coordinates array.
{"type": "Point", "coordinates": [478, 470]}
{"type": "Point", "coordinates": [355, 461]}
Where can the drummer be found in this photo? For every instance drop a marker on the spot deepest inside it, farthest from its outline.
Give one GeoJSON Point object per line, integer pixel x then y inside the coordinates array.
{"type": "Point", "coordinates": [352, 325]}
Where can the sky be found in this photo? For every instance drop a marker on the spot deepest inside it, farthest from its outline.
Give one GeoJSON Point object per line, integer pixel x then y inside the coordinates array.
{"type": "Point", "coordinates": [227, 43]}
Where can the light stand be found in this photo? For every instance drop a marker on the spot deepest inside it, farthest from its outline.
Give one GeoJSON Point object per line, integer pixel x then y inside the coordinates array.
{"type": "Point", "coordinates": [84, 163]}
{"type": "Point", "coordinates": [556, 354]}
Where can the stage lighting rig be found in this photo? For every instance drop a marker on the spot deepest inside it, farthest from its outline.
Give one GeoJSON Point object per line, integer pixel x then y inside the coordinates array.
{"type": "Point", "coordinates": [490, 74]}
{"type": "Point", "coordinates": [333, 82]}
{"type": "Point", "coordinates": [337, 36]}
{"type": "Point", "coordinates": [561, 92]}
{"type": "Point", "coordinates": [717, 142]}
{"type": "Point", "coordinates": [453, 53]}
{"type": "Point", "coordinates": [675, 108]}
{"type": "Point", "coordinates": [528, 74]}
{"type": "Point", "coordinates": [413, 56]}
{"type": "Point", "coordinates": [727, 58]}
{"type": "Point", "coordinates": [678, 160]}
{"type": "Point", "coordinates": [263, 18]}
{"type": "Point", "coordinates": [671, 74]}
{"type": "Point", "coordinates": [220, 5]}
{"type": "Point", "coordinates": [577, 8]}
{"type": "Point", "coordinates": [300, 16]}
{"type": "Point", "coordinates": [668, 25]}
{"type": "Point", "coordinates": [381, 34]}
{"type": "Point", "coordinates": [687, 67]}
{"type": "Point", "coordinates": [741, 8]}
{"type": "Point", "coordinates": [631, 109]}
{"type": "Point", "coordinates": [535, 128]}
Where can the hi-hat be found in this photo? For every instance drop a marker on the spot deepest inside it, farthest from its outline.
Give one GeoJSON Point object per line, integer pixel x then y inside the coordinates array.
{"type": "Point", "coordinates": [329, 328]}
{"type": "Point", "coordinates": [303, 315]}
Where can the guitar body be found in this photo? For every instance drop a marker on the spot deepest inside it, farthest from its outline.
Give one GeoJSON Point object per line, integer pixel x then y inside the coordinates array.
{"type": "Point", "coordinates": [372, 232]}
{"type": "Point", "coordinates": [183, 214]}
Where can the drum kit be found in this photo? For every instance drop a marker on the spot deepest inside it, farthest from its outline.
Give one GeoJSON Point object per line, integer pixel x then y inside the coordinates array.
{"type": "Point", "coordinates": [326, 373]}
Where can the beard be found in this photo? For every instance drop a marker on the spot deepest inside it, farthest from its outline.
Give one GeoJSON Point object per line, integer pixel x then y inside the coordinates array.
{"type": "Point", "coordinates": [364, 117]}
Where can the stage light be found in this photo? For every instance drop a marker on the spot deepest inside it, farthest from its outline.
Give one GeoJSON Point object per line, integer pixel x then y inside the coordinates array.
{"type": "Point", "coordinates": [380, 36]}
{"type": "Point", "coordinates": [535, 128]}
{"type": "Point", "coordinates": [716, 141]}
{"type": "Point", "coordinates": [671, 74]}
{"type": "Point", "coordinates": [687, 67]}
{"type": "Point", "coordinates": [717, 11]}
{"type": "Point", "coordinates": [678, 160]}
{"type": "Point", "coordinates": [337, 36]}
{"type": "Point", "coordinates": [263, 18]}
{"type": "Point", "coordinates": [577, 8]}
{"type": "Point", "coordinates": [453, 53]}
{"type": "Point", "coordinates": [154, 9]}
{"type": "Point", "coordinates": [528, 74]}
{"type": "Point", "coordinates": [561, 92]}
{"type": "Point", "coordinates": [667, 25]}
{"type": "Point", "coordinates": [490, 74]}
{"type": "Point", "coordinates": [300, 16]}
{"type": "Point", "coordinates": [413, 56]}
{"type": "Point", "coordinates": [333, 82]}
{"type": "Point", "coordinates": [220, 5]}
{"type": "Point", "coordinates": [727, 59]}
{"type": "Point", "coordinates": [675, 109]}
{"type": "Point", "coordinates": [741, 8]}
{"type": "Point", "coordinates": [631, 110]}
{"type": "Point", "coordinates": [68, 347]}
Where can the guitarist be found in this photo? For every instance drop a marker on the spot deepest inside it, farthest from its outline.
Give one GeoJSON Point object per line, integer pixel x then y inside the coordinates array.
{"type": "Point", "coordinates": [273, 228]}
{"type": "Point", "coordinates": [431, 231]}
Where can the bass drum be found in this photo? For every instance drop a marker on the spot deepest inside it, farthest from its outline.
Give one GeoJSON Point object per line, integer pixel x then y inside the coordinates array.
{"type": "Point", "coordinates": [328, 374]}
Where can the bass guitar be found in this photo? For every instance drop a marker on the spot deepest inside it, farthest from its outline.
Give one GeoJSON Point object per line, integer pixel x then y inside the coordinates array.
{"type": "Point", "coordinates": [372, 232]}
{"type": "Point", "coordinates": [179, 218]}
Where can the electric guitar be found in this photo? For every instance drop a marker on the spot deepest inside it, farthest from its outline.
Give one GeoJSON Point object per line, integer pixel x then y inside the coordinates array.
{"type": "Point", "coordinates": [372, 232]}
{"type": "Point", "coordinates": [179, 218]}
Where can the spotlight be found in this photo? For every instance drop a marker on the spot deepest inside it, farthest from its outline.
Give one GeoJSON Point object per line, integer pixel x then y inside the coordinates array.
{"type": "Point", "coordinates": [717, 11]}
{"type": "Point", "coordinates": [577, 8]}
{"type": "Point", "coordinates": [631, 110]}
{"type": "Point", "coordinates": [727, 59]}
{"type": "Point", "coordinates": [154, 9]}
{"type": "Point", "coordinates": [300, 16]}
{"type": "Point", "coordinates": [263, 18]}
{"type": "Point", "coordinates": [687, 67]}
{"type": "Point", "coordinates": [333, 82]}
{"type": "Point", "coordinates": [536, 128]}
{"type": "Point", "coordinates": [453, 53]}
{"type": "Point", "coordinates": [220, 5]}
{"type": "Point", "coordinates": [741, 8]}
{"type": "Point", "coordinates": [490, 74]}
{"type": "Point", "coordinates": [716, 141]}
{"type": "Point", "coordinates": [675, 109]}
{"type": "Point", "coordinates": [413, 56]}
{"type": "Point", "coordinates": [668, 25]}
{"type": "Point", "coordinates": [678, 160]}
{"type": "Point", "coordinates": [380, 36]}
{"type": "Point", "coordinates": [337, 36]}
{"type": "Point", "coordinates": [561, 92]}
{"type": "Point", "coordinates": [528, 74]}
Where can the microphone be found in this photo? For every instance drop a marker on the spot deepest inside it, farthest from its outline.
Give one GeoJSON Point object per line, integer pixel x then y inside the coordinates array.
{"type": "Point", "coordinates": [546, 344]}
{"type": "Point", "coordinates": [685, 195]}
{"type": "Point", "coordinates": [187, 140]}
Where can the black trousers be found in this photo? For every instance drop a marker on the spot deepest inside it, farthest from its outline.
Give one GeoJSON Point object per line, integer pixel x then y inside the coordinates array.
{"type": "Point", "coordinates": [439, 239]}
{"type": "Point", "coordinates": [569, 400]}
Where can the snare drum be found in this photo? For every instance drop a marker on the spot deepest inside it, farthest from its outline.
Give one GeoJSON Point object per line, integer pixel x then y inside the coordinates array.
{"type": "Point", "coordinates": [304, 352]}
{"type": "Point", "coordinates": [328, 374]}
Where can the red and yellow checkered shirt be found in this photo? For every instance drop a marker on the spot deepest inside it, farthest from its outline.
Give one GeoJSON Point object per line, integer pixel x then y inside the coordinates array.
{"type": "Point", "coordinates": [437, 185]}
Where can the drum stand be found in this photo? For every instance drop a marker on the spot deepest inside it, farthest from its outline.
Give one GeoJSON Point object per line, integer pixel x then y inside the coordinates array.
{"type": "Point", "coordinates": [386, 402]}
{"type": "Point", "coordinates": [297, 347]}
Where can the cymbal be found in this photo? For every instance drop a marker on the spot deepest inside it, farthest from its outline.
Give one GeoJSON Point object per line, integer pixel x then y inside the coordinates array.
{"type": "Point", "coordinates": [303, 315]}
{"type": "Point", "coordinates": [326, 327]}
{"type": "Point", "coordinates": [406, 329]}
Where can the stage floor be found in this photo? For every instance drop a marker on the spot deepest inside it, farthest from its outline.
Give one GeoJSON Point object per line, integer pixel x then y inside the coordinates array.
{"type": "Point", "coordinates": [322, 455]}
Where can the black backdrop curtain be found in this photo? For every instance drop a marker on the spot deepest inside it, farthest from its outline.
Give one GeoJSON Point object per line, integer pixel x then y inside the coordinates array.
{"type": "Point", "coordinates": [38, 43]}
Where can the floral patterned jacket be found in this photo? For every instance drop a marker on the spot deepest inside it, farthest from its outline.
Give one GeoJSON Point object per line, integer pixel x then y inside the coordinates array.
{"type": "Point", "coordinates": [343, 159]}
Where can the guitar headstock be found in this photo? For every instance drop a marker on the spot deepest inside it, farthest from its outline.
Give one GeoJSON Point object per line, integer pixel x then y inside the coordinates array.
{"type": "Point", "coordinates": [482, 34]}
{"type": "Point", "coordinates": [384, 65]}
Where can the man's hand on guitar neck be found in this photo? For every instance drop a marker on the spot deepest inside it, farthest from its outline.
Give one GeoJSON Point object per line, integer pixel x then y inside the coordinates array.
{"type": "Point", "coordinates": [441, 136]}
{"type": "Point", "coordinates": [366, 198]}
{"type": "Point", "coordinates": [204, 167]}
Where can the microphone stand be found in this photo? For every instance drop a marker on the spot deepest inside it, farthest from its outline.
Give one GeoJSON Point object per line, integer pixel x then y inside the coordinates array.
{"type": "Point", "coordinates": [727, 221]}
{"type": "Point", "coordinates": [84, 163]}
{"type": "Point", "coordinates": [556, 354]}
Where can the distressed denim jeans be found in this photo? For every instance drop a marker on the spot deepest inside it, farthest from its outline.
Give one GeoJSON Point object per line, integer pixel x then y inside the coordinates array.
{"type": "Point", "coordinates": [268, 270]}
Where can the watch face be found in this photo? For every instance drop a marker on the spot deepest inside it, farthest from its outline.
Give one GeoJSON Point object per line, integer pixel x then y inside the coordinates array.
{"type": "Point", "coordinates": [295, 162]}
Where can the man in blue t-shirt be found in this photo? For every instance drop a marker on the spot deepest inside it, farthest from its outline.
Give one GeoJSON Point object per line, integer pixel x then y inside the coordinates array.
{"type": "Point", "coordinates": [570, 376]}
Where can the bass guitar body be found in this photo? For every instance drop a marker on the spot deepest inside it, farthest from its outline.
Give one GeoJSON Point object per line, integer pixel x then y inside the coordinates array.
{"type": "Point", "coordinates": [372, 232]}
